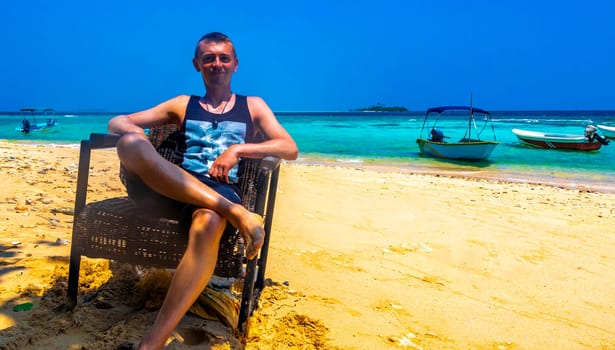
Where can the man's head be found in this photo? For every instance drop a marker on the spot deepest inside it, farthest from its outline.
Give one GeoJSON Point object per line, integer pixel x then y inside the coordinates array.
{"type": "Point", "coordinates": [214, 37]}
{"type": "Point", "coordinates": [215, 58]}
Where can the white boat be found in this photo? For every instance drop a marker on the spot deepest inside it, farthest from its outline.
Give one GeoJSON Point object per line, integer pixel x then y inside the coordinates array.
{"type": "Point", "coordinates": [607, 130]}
{"type": "Point", "coordinates": [541, 139]}
{"type": "Point", "coordinates": [470, 146]}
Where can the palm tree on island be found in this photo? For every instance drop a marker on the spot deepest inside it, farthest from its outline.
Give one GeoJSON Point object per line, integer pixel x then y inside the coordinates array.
{"type": "Point", "coordinates": [378, 107]}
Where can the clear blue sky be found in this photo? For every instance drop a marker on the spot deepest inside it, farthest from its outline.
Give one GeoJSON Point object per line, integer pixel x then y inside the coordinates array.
{"type": "Point", "coordinates": [318, 55]}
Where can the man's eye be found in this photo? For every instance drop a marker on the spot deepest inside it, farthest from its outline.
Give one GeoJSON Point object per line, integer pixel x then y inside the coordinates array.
{"type": "Point", "coordinates": [208, 58]}
{"type": "Point", "coordinates": [212, 58]}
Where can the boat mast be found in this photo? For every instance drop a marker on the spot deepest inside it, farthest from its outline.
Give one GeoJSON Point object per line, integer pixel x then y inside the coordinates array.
{"type": "Point", "coordinates": [471, 118]}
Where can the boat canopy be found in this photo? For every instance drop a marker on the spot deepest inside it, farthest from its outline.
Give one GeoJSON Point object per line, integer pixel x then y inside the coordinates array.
{"type": "Point", "coordinates": [456, 108]}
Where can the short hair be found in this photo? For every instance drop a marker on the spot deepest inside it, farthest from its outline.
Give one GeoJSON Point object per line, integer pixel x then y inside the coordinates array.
{"type": "Point", "coordinates": [215, 37]}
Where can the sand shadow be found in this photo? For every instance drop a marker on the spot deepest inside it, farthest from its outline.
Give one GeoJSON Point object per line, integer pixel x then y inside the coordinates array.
{"type": "Point", "coordinates": [111, 311]}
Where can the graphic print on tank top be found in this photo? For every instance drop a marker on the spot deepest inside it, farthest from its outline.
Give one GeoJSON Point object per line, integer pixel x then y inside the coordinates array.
{"type": "Point", "coordinates": [204, 143]}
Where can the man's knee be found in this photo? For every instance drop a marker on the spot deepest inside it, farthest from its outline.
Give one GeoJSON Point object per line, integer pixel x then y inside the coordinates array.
{"type": "Point", "coordinates": [131, 149]}
{"type": "Point", "coordinates": [131, 141]}
{"type": "Point", "coordinates": [207, 225]}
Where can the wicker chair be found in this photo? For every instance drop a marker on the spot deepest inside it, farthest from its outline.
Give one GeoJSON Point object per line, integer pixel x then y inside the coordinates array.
{"type": "Point", "coordinates": [114, 228]}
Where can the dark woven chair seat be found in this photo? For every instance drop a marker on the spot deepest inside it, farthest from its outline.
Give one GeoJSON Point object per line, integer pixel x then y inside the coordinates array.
{"type": "Point", "coordinates": [116, 229]}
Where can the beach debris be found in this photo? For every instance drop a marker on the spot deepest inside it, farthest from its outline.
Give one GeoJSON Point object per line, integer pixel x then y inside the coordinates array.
{"type": "Point", "coordinates": [424, 248]}
{"type": "Point", "coordinates": [27, 306]}
{"type": "Point", "coordinates": [405, 248]}
{"type": "Point", "coordinates": [65, 211]}
{"type": "Point", "coordinates": [60, 241]}
{"type": "Point", "coordinates": [406, 341]}
{"type": "Point", "coordinates": [396, 306]}
{"type": "Point", "coordinates": [54, 221]}
{"type": "Point", "coordinates": [13, 244]}
{"type": "Point", "coordinates": [21, 208]}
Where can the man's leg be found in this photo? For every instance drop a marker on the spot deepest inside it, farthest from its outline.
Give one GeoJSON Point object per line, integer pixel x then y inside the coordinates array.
{"type": "Point", "coordinates": [191, 276]}
{"type": "Point", "coordinates": [139, 157]}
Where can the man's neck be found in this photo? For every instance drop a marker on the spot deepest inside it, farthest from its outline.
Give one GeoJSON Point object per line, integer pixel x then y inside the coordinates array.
{"type": "Point", "coordinates": [216, 97]}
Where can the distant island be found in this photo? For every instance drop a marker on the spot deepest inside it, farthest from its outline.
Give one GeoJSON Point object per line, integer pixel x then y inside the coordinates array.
{"type": "Point", "coordinates": [381, 108]}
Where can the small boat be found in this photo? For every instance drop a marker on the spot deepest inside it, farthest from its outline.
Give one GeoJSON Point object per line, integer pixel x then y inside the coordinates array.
{"type": "Point", "coordinates": [607, 130]}
{"type": "Point", "coordinates": [28, 126]}
{"type": "Point", "coordinates": [540, 139]}
{"type": "Point", "coordinates": [469, 146]}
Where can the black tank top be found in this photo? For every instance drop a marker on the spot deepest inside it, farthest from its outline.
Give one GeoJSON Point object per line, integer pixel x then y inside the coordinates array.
{"type": "Point", "coordinates": [208, 135]}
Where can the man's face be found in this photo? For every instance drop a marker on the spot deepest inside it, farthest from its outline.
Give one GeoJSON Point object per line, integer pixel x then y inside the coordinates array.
{"type": "Point", "coordinates": [216, 62]}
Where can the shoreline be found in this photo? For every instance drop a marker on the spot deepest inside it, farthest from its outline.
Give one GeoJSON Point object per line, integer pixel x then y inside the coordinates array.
{"type": "Point", "coordinates": [574, 180]}
{"type": "Point", "coordinates": [581, 181]}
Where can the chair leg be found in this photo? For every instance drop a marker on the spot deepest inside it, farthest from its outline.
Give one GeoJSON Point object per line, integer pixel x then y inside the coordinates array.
{"type": "Point", "coordinates": [247, 296]}
{"type": "Point", "coordinates": [73, 278]}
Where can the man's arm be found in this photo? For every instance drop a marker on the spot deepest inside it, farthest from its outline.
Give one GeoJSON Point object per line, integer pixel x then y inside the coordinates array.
{"type": "Point", "coordinates": [277, 141]}
{"type": "Point", "coordinates": [169, 112]}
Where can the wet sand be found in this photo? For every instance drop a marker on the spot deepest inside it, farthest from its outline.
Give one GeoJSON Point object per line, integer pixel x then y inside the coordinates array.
{"type": "Point", "coordinates": [360, 258]}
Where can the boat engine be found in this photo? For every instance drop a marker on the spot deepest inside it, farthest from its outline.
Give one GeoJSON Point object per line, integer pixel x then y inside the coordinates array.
{"type": "Point", "coordinates": [591, 132]}
{"type": "Point", "coordinates": [25, 126]}
{"type": "Point", "coordinates": [437, 135]}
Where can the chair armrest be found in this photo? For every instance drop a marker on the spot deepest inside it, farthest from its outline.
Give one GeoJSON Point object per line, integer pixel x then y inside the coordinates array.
{"type": "Point", "coordinates": [270, 163]}
{"type": "Point", "coordinates": [100, 140]}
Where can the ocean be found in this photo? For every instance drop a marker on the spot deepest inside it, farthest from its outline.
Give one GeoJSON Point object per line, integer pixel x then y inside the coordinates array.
{"type": "Point", "coordinates": [389, 139]}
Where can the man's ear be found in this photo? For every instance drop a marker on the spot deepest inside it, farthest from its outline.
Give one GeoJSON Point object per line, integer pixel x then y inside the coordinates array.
{"type": "Point", "coordinates": [196, 64]}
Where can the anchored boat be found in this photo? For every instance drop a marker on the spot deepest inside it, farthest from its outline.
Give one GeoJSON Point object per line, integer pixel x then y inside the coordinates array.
{"type": "Point", "coordinates": [607, 130]}
{"type": "Point", "coordinates": [470, 144]}
{"type": "Point", "coordinates": [590, 141]}
{"type": "Point", "coordinates": [29, 123]}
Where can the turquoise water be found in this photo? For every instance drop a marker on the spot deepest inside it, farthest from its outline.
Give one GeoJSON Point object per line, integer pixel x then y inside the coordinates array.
{"type": "Point", "coordinates": [389, 139]}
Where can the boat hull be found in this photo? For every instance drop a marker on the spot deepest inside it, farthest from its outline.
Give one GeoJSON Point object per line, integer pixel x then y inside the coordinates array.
{"type": "Point", "coordinates": [36, 127]}
{"type": "Point", "coordinates": [477, 150]}
{"type": "Point", "coordinates": [607, 131]}
{"type": "Point", "coordinates": [556, 141]}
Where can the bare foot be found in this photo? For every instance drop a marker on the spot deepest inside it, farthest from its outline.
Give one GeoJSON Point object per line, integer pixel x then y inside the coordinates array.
{"type": "Point", "coordinates": [250, 226]}
{"type": "Point", "coordinates": [253, 234]}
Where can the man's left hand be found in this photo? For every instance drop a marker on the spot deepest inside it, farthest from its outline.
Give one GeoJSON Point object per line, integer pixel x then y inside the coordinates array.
{"type": "Point", "coordinates": [222, 165]}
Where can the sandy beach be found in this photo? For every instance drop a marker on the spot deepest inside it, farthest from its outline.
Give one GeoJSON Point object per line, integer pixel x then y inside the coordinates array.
{"type": "Point", "coordinates": [360, 258]}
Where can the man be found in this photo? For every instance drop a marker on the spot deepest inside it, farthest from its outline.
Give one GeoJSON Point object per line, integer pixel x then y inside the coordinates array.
{"type": "Point", "coordinates": [220, 128]}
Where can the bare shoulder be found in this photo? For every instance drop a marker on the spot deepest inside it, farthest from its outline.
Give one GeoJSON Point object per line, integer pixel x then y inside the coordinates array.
{"type": "Point", "coordinates": [258, 108]}
{"type": "Point", "coordinates": [178, 103]}
{"type": "Point", "coordinates": [174, 108]}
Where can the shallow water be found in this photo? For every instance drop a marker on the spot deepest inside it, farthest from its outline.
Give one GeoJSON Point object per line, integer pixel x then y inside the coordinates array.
{"type": "Point", "coordinates": [390, 139]}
